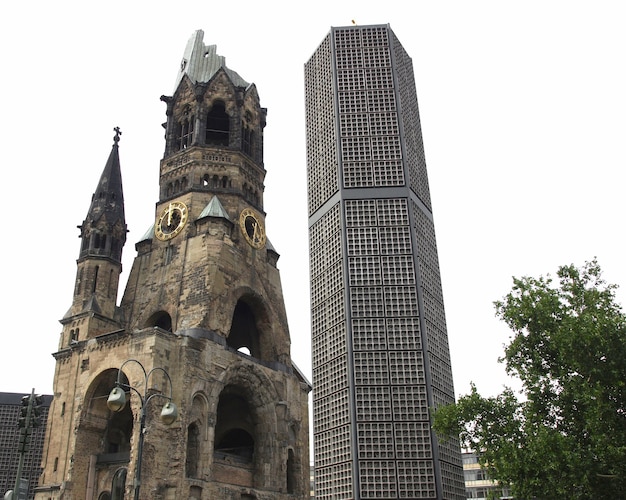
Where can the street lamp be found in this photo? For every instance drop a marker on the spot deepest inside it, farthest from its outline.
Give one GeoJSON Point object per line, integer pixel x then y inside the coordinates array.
{"type": "Point", "coordinates": [117, 401]}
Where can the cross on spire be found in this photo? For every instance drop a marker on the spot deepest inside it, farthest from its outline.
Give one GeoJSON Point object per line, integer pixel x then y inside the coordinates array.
{"type": "Point", "coordinates": [118, 133]}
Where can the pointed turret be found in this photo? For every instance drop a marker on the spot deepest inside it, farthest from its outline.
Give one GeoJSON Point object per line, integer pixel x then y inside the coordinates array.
{"type": "Point", "coordinates": [103, 235]}
{"type": "Point", "coordinates": [103, 231]}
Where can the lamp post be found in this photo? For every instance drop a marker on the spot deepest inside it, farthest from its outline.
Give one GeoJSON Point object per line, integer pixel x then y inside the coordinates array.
{"type": "Point", "coordinates": [117, 401]}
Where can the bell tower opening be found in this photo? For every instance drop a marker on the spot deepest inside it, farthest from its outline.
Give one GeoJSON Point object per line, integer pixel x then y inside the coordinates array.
{"type": "Point", "coordinates": [244, 333]}
{"type": "Point", "coordinates": [217, 125]}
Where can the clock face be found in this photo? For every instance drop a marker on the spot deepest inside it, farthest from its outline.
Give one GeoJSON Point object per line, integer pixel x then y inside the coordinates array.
{"type": "Point", "coordinates": [171, 221]}
{"type": "Point", "coordinates": [252, 228]}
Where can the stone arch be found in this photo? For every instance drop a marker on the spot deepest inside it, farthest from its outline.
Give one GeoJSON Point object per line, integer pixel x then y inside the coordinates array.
{"type": "Point", "coordinates": [243, 407]}
{"type": "Point", "coordinates": [197, 428]}
{"type": "Point", "coordinates": [118, 485]}
{"type": "Point", "coordinates": [115, 428]}
{"type": "Point", "coordinates": [102, 432]}
{"type": "Point", "coordinates": [250, 325]}
{"type": "Point", "coordinates": [160, 319]}
{"type": "Point", "coordinates": [273, 335]}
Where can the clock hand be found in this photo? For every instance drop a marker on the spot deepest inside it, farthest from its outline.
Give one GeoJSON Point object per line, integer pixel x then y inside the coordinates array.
{"type": "Point", "coordinates": [169, 215]}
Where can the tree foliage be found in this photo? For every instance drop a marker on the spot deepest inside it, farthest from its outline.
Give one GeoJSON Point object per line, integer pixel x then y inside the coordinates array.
{"type": "Point", "coordinates": [565, 436]}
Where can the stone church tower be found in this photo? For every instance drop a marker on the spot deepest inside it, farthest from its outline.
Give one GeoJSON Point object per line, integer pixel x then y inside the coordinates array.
{"type": "Point", "coordinates": [202, 320]}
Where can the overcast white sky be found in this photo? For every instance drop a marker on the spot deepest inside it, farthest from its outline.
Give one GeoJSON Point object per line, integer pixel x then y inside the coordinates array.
{"type": "Point", "coordinates": [522, 107]}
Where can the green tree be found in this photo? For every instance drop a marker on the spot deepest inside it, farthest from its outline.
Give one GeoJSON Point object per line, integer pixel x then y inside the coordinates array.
{"type": "Point", "coordinates": [565, 436]}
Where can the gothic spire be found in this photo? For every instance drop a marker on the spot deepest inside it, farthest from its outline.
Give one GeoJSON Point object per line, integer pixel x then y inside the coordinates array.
{"type": "Point", "coordinates": [108, 199]}
{"type": "Point", "coordinates": [106, 219]}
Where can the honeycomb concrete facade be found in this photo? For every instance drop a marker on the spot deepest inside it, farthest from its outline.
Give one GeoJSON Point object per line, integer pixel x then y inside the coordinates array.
{"type": "Point", "coordinates": [10, 405]}
{"type": "Point", "coordinates": [380, 349]}
{"type": "Point", "coordinates": [203, 303]}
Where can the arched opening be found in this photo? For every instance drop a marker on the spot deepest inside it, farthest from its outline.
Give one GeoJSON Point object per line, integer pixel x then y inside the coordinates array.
{"type": "Point", "coordinates": [196, 435]}
{"type": "Point", "coordinates": [119, 484]}
{"type": "Point", "coordinates": [244, 331]}
{"type": "Point", "coordinates": [184, 129]}
{"type": "Point", "coordinates": [105, 495]}
{"type": "Point", "coordinates": [217, 125]}
{"type": "Point", "coordinates": [104, 434]}
{"type": "Point", "coordinates": [117, 426]}
{"type": "Point", "coordinates": [234, 428]}
{"type": "Point", "coordinates": [160, 319]}
{"type": "Point", "coordinates": [109, 433]}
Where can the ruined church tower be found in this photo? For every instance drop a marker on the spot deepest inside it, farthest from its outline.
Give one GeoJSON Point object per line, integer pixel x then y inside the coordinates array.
{"type": "Point", "coordinates": [202, 322]}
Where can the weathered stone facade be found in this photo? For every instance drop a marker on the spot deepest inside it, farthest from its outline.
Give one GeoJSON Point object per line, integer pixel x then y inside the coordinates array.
{"type": "Point", "coordinates": [202, 302]}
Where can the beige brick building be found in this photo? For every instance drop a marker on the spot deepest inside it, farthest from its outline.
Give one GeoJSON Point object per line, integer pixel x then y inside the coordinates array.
{"type": "Point", "coordinates": [203, 305]}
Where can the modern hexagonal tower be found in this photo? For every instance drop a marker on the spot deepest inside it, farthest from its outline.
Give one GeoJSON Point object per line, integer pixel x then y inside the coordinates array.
{"type": "Point", "coordinates": [380, 345]}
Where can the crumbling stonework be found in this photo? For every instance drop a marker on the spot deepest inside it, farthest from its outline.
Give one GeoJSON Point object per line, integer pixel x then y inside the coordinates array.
{"type": "Point", "coordinates": [203, 303]}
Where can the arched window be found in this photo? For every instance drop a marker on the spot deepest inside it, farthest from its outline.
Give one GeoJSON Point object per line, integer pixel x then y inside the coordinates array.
{"type": "Point", "coordinates": [119, 484]}
{"type": "Point", "coordinates": [196, 437]}
{"type": "Point", "coordinates": [218, 125]}
{"type": "Point", "coordinates": [184, 132]}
